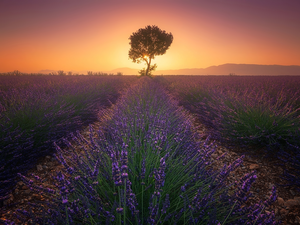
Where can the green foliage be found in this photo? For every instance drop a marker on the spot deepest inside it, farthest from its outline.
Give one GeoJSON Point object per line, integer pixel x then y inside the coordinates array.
{"type": "Point", "coordinates": [261, 126]}
{"type": "Point", "coordinates": [61, 73]}
{"type": "Point", "coordinates": [146, 44]}
{"type": "Point", "coordinates": [180, 188]}
{"type": "Point", "coordinates": [39, 106]}
{"type": "Point", "coordinates": [265, 115]}
{"type": "Point", "coordinates": [143, 72]}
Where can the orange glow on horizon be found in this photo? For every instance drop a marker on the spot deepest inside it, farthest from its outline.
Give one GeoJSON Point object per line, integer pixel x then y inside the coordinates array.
{"type": "Point", "coordinates": [93, 35]}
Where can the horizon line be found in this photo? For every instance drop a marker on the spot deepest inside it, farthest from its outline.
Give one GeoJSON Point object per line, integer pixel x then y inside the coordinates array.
{"type": "Point", "coordinates": [109, 71]}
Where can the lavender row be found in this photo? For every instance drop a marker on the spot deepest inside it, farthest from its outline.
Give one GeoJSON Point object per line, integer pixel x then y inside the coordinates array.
{"type": "Point", "coordinates": [262, 112]}
{"type": "Point", "coordinates": [145, 165]}
{"type": "Point", "coordinates": [37, 110]}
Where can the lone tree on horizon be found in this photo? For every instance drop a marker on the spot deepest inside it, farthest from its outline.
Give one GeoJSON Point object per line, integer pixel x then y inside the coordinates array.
{"type": "Point", "coordinates": [147, 43]}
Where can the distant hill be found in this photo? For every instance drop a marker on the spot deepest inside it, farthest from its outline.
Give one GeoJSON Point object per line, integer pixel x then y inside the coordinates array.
{"type": "Point", "coordinates": [225, 69]}
{"type": "Point", "coordinates": [237, 69]}
{"type": "Point", "coordinates": [46, 71]}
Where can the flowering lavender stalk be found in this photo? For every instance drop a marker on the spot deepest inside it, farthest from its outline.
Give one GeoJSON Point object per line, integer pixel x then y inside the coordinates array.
{"type": "Point", "coordinates": [116, 173]}
{"type": "Point", "coordinates": [152, 169]}
{"type": "Point", "coordinates": [36, 111]}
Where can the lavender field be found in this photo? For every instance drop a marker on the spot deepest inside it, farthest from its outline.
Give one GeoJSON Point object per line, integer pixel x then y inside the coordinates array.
{"type": "Point", "coordinates": [259, 110]}
{"type": "Point", "coordinates": [147, 164]}
{"type": "Point", "coordinates": [262, 112]}
{"type": "Point", "coordinates": [35, 111]}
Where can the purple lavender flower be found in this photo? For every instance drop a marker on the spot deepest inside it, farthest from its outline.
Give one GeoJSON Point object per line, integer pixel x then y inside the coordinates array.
{"type": "Point", "coordinates": [116, 174]}
{"type": "Point", "coordinates": [143, 170]}
{"type": "Point", "coordinates": [159, 175]}
{"type": "Point", "coordinates": [61, 159]}
{"type": "Point", "coordinates": [166, 204]}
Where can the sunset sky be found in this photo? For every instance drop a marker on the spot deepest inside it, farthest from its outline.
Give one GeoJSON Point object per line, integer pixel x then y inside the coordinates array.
{"type": "Point", "coordinates": [93, 35]}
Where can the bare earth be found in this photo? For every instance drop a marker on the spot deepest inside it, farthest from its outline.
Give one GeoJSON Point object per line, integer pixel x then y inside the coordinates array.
{"type": "Point", "coordinates": [287, 206]}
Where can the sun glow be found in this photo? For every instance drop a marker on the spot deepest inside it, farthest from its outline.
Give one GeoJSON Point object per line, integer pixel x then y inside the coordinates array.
{"type": "Point", "coordinates": [77, 40]}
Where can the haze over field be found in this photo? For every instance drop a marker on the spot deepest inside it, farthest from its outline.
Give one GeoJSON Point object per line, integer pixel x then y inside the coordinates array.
{"type": "Point", "coordinates": [225, 69]}
{"type": "Point", "coordinates": [93, 35]}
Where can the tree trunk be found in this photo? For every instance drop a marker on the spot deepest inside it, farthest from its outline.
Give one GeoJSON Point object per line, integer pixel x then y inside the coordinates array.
{"type": "Point", "coordinates": [148, 66]}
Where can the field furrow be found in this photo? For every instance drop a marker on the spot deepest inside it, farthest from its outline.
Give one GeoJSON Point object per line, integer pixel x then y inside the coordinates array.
{"type": "Point", "coordinates": [146, 164]}
{"type": "Point", "coordinates": [35, 111]}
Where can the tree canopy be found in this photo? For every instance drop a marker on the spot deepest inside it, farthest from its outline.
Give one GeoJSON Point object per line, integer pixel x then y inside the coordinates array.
{"type": "Point", "coordinates": [147, 43]}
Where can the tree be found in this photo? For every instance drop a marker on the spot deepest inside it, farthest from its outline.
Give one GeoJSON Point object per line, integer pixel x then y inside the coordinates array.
{"type": "Point", "coordinates": [147, 43]}
{"type": "Point", "coordinates": [17, 73]}
{"type": "Point", "coordinates": [61, 73]}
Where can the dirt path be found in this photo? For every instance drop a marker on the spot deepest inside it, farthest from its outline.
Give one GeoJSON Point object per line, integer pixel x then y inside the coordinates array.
{"type": "Point", "coordinates": [268, 171]}
{"type": "Point", "coordinates": [287, 207]}
{"type": "Point", "coordinates": [46, 168]}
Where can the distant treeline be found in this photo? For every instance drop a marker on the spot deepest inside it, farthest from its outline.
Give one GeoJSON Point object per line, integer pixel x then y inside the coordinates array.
{"type": "Point", "coordinates": [60, 73]}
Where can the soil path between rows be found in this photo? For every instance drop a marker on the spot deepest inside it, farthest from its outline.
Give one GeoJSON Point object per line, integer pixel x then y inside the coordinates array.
{"type": "Point", "coordinates": [269, 171]}
{"type": "Point", "coordinates": [287, 206]}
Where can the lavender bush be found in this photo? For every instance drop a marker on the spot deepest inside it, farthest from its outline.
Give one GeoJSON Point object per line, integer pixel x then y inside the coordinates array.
{"type": "Point", "coordinates": [37, 110]}
{"type": "Point", "coordinates": [145, 166]}
{"type": "Point", "coordinates": [255, 111]}
{"type": "Point", "coordinates": [260, 111]}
